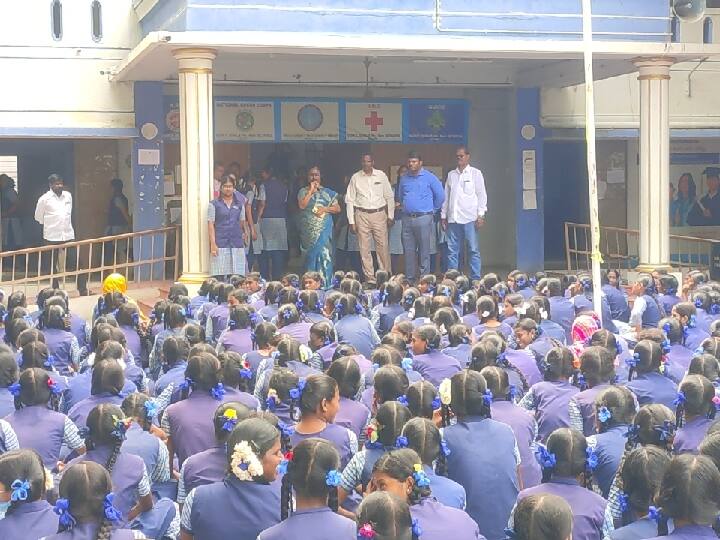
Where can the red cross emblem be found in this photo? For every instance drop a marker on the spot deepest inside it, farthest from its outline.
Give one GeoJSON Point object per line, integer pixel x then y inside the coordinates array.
{"type": "Point", "coordinates": [374, 121]}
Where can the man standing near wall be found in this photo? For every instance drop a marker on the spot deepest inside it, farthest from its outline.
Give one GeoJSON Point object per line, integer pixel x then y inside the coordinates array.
{"type": "Point", "coordinates": [370, 209]}
{"type": "Point", "coordinates": [463, 211]}
{"type": "Point", "coordinates": [420, 194]}
{"type": "Point", "coordinates": [54, 213]}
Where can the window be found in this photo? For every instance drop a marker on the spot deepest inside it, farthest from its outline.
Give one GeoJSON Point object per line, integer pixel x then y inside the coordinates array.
{"type": "Point", "coordinates": [675, 30]}
{"type": "Point", "coordinates": [96, 12]}
{"type": "Point", "coordinates": [56, 19]}
{"type": "Point", "coordinates": [708, 30]}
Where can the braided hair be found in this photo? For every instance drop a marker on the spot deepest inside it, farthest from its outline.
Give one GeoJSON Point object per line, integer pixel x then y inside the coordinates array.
{"type": "Point", "coordinates": [421, 399]}
{"type": "Point", "coordinates": [36, 388]}
{"type": "Point", "coordinates": [640, 475]}
{"type": "Point", "coordinates": [695, 398]}
{"type": "Point", "coordinates": [542, 517]}
{"type": "Point", "coordinates": [424, 438]}
{"type": "Point", "coordinates": [569, 448]}
{"type": "Point", "coordinates": [139, 407]}
{"type": "Point", "coordinates": [469, 394]}
{"type": "Point", "coordinates": [385, 516]}
{"type": "Point", "coordinates": [400, 465]}
{"type": "Point", "coordinates": [106, 424]}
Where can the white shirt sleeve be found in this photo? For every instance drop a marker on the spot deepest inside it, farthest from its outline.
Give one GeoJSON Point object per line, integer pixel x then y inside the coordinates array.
{"type": "Point", "coordinates": [444, 207]}
{"type": "Point", "coordinates": [639, 307]}
{"type": "Point", "coordinates": [481, 194]}
{"type": "Point", "coordinates": [40, 210]}
{"type": "Point", "coordinates": [350, 200]}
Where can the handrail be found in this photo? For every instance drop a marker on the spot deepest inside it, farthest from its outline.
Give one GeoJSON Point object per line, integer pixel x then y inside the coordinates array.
{"type": "Point", "coordinates": [141, 256]}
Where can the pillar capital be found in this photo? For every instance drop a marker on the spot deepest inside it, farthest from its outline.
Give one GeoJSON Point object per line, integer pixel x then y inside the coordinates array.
{"type": "Point", "coordinates": [654, 67]}
{"type": "Point", "coordinates": [195, 60]}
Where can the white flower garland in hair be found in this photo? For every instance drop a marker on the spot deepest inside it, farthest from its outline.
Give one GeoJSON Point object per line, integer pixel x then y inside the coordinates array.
{"type": "Point", "coordinates": [244, 464]}
{"type": "Point", "coordinates": [305, 354]}
{"type": "Point", "coordinates": [445, 391]}
{"type": "Point", "coordinates": [521, 310]}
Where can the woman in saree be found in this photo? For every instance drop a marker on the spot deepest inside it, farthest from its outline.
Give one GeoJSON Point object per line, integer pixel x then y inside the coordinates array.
{"type": "Point", "coordinates": [317, 204]}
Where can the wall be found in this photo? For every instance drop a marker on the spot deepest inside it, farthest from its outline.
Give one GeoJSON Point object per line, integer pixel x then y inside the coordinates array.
{"type": "Point", "coordinates": [55, 87]}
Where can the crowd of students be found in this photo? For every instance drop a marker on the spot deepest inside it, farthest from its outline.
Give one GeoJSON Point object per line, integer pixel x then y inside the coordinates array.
{"type": "Point", "coordinates": [383, 410]}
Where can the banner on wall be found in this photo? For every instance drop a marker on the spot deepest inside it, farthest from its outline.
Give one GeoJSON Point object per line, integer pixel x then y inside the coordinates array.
{"type": "Point", "coordinates": [245, 121]}
{"type": "Point", "coordinates": [310, 121]}
{"type": "Point", "coordinates": [436, 122]}
{"type": "Point", "coordinates": [373, 121]}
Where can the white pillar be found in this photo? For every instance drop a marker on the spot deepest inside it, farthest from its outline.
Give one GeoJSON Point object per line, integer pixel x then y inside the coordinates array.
{"type": "Point", "coordinates": [654, 163]}
{"type": "Point", "coordinates": [196, 158]}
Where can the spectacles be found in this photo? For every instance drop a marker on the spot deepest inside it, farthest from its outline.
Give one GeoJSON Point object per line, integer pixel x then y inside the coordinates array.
{"type": "Point", "coordinates": [460, 156]}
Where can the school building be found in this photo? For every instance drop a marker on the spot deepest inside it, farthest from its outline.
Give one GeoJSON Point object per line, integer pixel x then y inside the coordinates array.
{"type": "Point", "coordinates": [155, 91]}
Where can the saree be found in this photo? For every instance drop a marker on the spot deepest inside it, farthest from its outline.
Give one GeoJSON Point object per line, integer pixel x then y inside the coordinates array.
{"type": "Point", "coordinates": [316, 233]}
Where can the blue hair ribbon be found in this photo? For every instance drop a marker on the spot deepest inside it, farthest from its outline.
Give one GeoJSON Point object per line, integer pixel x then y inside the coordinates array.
{"type": "Point", "coordinates": [111, 513]}
{"type": "Point", "coordinates": [436, 403]}
{"type": "Point", "coordinates": [232, 324]}
{"type": "Point", "coordinates": [633, 361]}
{"type": "Point", "coordinates": [547, 460]}
{"type": "Point", "coordinates": [487, 397]}
{"type": "Point", "coordinates": [444, 448]}
{"type": "Point", "coordinates": [680, 399]}
{"type": "Point", "coordinates": [62, 509]}
{"type": "Point", "coordinates": [296, 393]}
{"type": "Point", "coordinates": [218, 391]}
{"type": "Point", "coordinates": [407, 364]}
{"type": "Point", "coordinates": [50, 361]}
{"type": "Point", "coordinates": [416, 529]}
{"type": "Point", "coordinates": [333, 478]}
{"type": "Point", "coordinates": [186, 384]}
{"type": "Point", "coordinates": [591, 460]}
{"type": "Point", "coordinates": [633, 434]}
{"type": "Point", "coordinates": [151, 409]}
{"type": "Point", "coordinates": [401, 442]}
{"type": "Point", "coordinates": [665, 431]}
{"type": "Point", "coordinates": [14, 389]}
{"type": "Point", "coordinates": [624, 500]}
{"type": "Point", "coordinates": [420, 477]}
{"type": "Point", "coordinates": [286, 430]}
{"type": "Point", "coordinates": [604, 414]}
{"type": "Point", "coordinates": [655, 514]}
{"type": "Point", "coordinates": [402, 400]}
{"type": "Point", "coordinates": [20, 490]}
{"type": "Point", "coordinates": [582, 383]}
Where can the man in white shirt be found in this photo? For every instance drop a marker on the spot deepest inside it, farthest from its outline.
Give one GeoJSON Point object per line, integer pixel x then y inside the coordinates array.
{"type": "Point", "coordinates": [464, 211]}
{"type": "Point", "coordinates": [54, 213]}
{"type": "Point", "coordinates": [370, 210]}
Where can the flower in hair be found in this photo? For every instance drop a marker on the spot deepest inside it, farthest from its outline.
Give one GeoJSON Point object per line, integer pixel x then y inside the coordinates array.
{"type": "Point", "coordinates": [655, 513]}
{"type": "Point", "coordinates": [231, 419]}
{"type": "Point", "coordinates": [633, 434]}
{"type": "Point", "coordinates": [624, 500]}
{"type": "Point", "coordinates": [444, 448]}
{"type": "Point", "coordinates": [416, 529]}
{"type": "Point", "coordinates": [186, 384]}
{"type": "Point", "coordinates": [53, 386]}
{"type": "Point", "coordinates": [287, 313]}
{"type": "Point", "coordinates": [111, 513]}
{"type": "Point", "coordinates": [487, 397]}
{"type": "Point", "coordinates": [634, 361]}
{"type": "Point", "coordinates": [20, 490]}
{"type": "Point", "coordinates": [62, 509]}
{"type": "Point", "coordinates": [305, 354]}
{"type": "Point", "coordinates": [411, 313]}
{"type": "Point", "coordinates": [371, 434]}
{"type": "Point", "coordinates": [272, 399]}
{"type": "Point", "coordinates": [401, 442]}
{"type": "Point", "coordinates": [407, 364]}
{"type": "Point", "coordinates": [582, 383]}
{"type": "Point", "coordinates": [120, 427]}
{"type": "Point", "coordinates": [521, 310]}
{"type": "Point", "coordinates": [14, 389]}
{"type": "Point", "coordinates": [445, 391]}
{"type": "Point", "coordinates": [297, 392]}
{"type": "Point", "coordinates": [333, 478]}
{"type": "Point", "coordinates": [218, 391]}
{"type": "Point", "coordinates": [402, 400]}
{"type": "Point", "coordinates": [716, 402]}
{"type": "Point", "coordinates": [50, 362]}
{"type": "Point", "coordinates": [359, 309]}
{"type": "Point", "coordinates": [547, 460]}
{"type": "Point", "coordinates": [436, 404]}
{"type": "Point", "coordinates": [591, 459]}
{"type": "Point", "coordinates": [604, 414]}
{"type": "Point", "coordinates": [299, 305]}
{"type": "Point", "coordinates": [244, 464]}
{"type": "Point", "coordinates": [366, 531]}
{"type": "Point", "coordinates": [151, 409]}
{"type": "Point", "coordinates": [680, 399]}
{"type": "Point", "coordinates": [420, 477]}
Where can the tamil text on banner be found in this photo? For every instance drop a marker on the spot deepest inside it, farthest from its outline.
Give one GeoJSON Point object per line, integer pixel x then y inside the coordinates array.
{"type": "Point", "coordinates": [244, 120]}
{"type": "Point", "coordinates": [373, 121]}
{"type": "Point", "coordinates": [310, 121]}
{"type": "Point", "coordinates": [439, 122]}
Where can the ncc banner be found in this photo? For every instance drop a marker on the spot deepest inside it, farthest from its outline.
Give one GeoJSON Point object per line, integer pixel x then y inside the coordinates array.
{"type": "Point", "coordinates": [310, 121]}
{"type": "Point", "coordinates": [436, 121]}
{"type": "Point", "coordinates": [373, 121]}
{"type": "Point", "coordinates": [248, 121]}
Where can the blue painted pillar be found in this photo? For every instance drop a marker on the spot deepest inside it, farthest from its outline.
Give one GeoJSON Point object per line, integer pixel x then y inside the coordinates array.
{"type": "Point", "coordinates": [149, 208]}
{"type": "Point", "coordinates": [530, 222]}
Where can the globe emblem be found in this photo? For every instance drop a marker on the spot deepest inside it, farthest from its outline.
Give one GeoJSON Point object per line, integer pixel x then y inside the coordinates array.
{"type": "Point", "coordinates": [310, 117]}
{"type": "Point", "coordinates": [244, 120]}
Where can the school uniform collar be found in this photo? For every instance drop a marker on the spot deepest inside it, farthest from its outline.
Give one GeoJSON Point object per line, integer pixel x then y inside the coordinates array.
{"type": "Point", "coordinates": [473, 418]}
{"type": "Point", "coordinates": [701, 531]}
{"type": "Point", "coordinates": [29, 507]}
{"type": "Point", "coordinates": [320, 510]}
{"type": "Point", "coordinates": [565, 480]}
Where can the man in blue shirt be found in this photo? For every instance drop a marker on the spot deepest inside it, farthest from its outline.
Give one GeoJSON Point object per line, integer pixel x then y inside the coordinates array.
{"type": "Point", "coordinates": [421, 195]}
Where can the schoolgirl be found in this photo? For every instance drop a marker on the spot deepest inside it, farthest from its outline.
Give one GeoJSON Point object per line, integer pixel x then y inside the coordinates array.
{"type": "Point", "coordinates": [351, 414]}
{"type": "Point", "coordinates": [548, 327]}
{"type": "Point", "coordinates": [317, 399]}
{"type": "Point", "coordinates": [289, 354]}
{"type": "Point", "coordinates": [459, 346]}
{"type": "Point", "coordinates": [562, 310]}
{"type": "Point", "coordinates": [210, 465]}
{"type": "Point", "coordinates": [384, 314]}
{"type": "Point", "coordinates": [62, 344]}
{"type": "Point", "coordinates": [311, 476]}
{"type": "Point", "coordinates": [265, 337]}
{"type": "Point", "coordinates": [290, 323]}
{"type": "Point", "coordinates": [542, 517]}
{"type": "Point", "coordinates": [550, 398]}
{"type": "Point", "coordinates": [582, 298]}
{"type": "Point", "coordinates": [668, 289]}
{"type": "Point", "coordinates": [106, 386]}
{"type": "Point", "coordinates": [510, 303]}
{"type": "Point", "coordinates": [8, 377]}
{"type": "Point", "coordinates": [694, 413]}
{"type": "Point", "coordinates": [385, 516]}
{"type": "Point", "coordinates": [277, 399]}
{"type": "Point", "coordinates": [237, 337]}
{"type": "Point", "coordinates": [254, 287]}
{"type": "Point", "coordinates": [521, 284]}
{"type": "Point", "coordinates": [686, 314]}
{"type": "Point", "coordinates": [13, 328]}
{"type": "Point", "coordinates": [567, 466]}
{"type": "Point", "coordinates": [323, 343]}
{"type": "Point", "coordinates": [186, 422]}
{"type": "Point", "coordinates": [400, 472]}
{"type": "Point", "coordinates": [640, 476]}
{"type": "Point", "coordinates": [86, 508]}
{"type": "Point", "coordinates": [23, 483]}
{"type": "Point", "coordinates": [310, 306]}
{"type": "Point", "coordinates": [619, 309]}
{"type": "Point", "coordinates": [36, 420]}
{"type": "Point", "coordinates": [491, 351]}
{"type": "Point", "coordinates": [444, 318]}
{"type": "Point", "coordinates": [528, 335]}
{"type": "Point", "coordinates": [352, 327]}
{"type": "Point", "coordinates": [78, 325]}
{"type": "Point", "coordinates": [382, 435]}
{"type": "Point", "coordinates": [157, 315]}
{"type": "Point", "coordinates": [649, 386]}
{"type": "Point", "coordinates": [646, 311]}
{"type": "Point", "coordinates": [174, 361]}
{"type": "Point", "coordinates": [408, 301]}
{"type": "Point", "coordinates": [487, 316]}
{"type": "Point", "coordinates": [174, 319]}
{"type": "Point", "coordinates": [596, 374]}
{"type": "Point", "coordinates": [115, 349]}
{"type": "Point", "coordinates": [707, 366]}
{"type": "Point", "coordinates": [236, 380]}
{"type": "Point", "coordinates": [614, 412]}
{"type": "Point", "coordinates": [468, 302]}
{"type": "Point", "coordinates": [422, 400]}
{"type": "Point", "coordinates": [202, 297]}
{"type": "Point", "coordinates": [247, 501]}
{"type": "Point", "coordinates": [128, 319]}
{"type": "Point", "coordinates": [677, 357]}
{"type": "Point", "coordinates": [522, 423]}
{"type": "Point", "coordinates": [704, 305]}
{"type": "Point", "coordinates": [108, 303]}
{"type": "Point", "coordinates": [106, 430]}
{"type": "Point", "coordinates": [217, 317]}
{"type": "Point", "coordinates": [427, 285]}
{"type": "Point", "coordinates": [428, 360]}
{"type": "Point", "coordinates": [36, 355]}
{"type": "Point", "coordinates": [484, 457]}
{"type": "Point", "coordinates": [270, 309]}
{"type": "Point", "coordinates": [689, 495]}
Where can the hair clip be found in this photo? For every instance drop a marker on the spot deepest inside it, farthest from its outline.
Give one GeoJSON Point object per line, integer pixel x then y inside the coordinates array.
{"type": "Point", "coordinates": [111, 513]}
{"type": "Point", "coordinates": [333, 478]}
{"type": "Point", "coordinates": [624, 500]}
{"type": "Point", "coordinates": [62, 509]}
{"type": "Point", "coordinates": [231, 419]}
{"type": "Point", "coordinates": [698, 303]}
{"type": "Point", "coordinates": [655, 513]}
{"type": "Point", "coordinates": [186, 384]}
{"type": "Point", "coordinates": [14, 389]}
{"type": "Point", "coordinates": [547, 460]}
{"type": "Point", "coordinates": [436, 403]}
{"type": "Point", "coordinates": [20, 490]}
{"type": "Point", "coordinates": [633, 434]}
{"type": "Point", "coordinates": [444, 448]}
{"type": "Point", "coordinates": [232, 324]}
{"type": "Point", "coordinates": [416, 529]}
{"type": "Point", "coordinates": [152, 410]}
{"type": "Point", "coordinates": [50, 361]}
{"type": "Point", "coordinates": [487, 397]}
{"type": "Point", "coordinates": [401, 442]}
{"type": "Point", "coordinates": [582, 383]}
{"type": "Point", "coordinates": [604, 414]}
{"type": "Point", "coordinates": [421, 479]}
{"type": "Point", "coordinates": [296, 393]}
{"type": "Point", "coordinates": [680, 399]}
{"type": "Point", "coordinates": [591, 459]}
{"type": "Point", "coordinates": [53, 386]}
{"type": "Point", "coordinates": [359, 309]}
{"type": "Point", "coordinates": [666, 431]}
{"type": "Point", "coordinates": [366, 532]}
{"type": "Point", "coordinates": [120, 427]}
{"type": "Point", "coordinates": [402, 400]}
{"type": "Point", "coordinates": [218, 391]}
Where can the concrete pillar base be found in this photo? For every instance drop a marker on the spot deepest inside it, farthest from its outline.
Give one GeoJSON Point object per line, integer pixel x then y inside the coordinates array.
{"type": "Point", "coordinates": [650, 268]}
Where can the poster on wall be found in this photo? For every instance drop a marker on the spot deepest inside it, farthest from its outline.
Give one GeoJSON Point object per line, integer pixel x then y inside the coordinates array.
{"type": "Point", "coordinates": [695, 189]}
{"type": "Point", "coordinates": [436, 122]}
{"type": "Point", "coordinates": [247, 121]}
{"type": "Point", "coordinates": [366, 121]}
{"type": "Point", "coordinates": [172, 117]}
{"type": "Point", "coordinates": [310, 121]}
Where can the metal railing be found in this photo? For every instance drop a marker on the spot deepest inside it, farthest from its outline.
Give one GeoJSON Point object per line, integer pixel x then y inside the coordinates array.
{"type": "Point", "coordinates": [151, 255]}
{"type": "Point", "coordinates": [620, 248]}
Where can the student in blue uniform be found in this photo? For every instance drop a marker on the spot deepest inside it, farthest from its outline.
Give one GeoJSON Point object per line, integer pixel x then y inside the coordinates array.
{"type": "Point", "coordinates": [310, 306]}
{"type": "Point", "coordinates": [36, 355]}
{"type": "Point", "coordinates": [704, 305]}
{"type": "Point", "coordinates": [484, 456]}
{"type": "Point", "coordinates": [677, 356]}
{"type": "Point", "coordinates": [383, 515]}
{"type": "Point", "coordinates": [562, 310]}
{"type": "Point", "coordinates": [290, 322]}
{"type": "Point", "coordinates": [650, 386]}
{"type": "Point", "coordinates": [510, 304]}
{"type": "Point", "coordinates": [639, 478]}
{"type": "Point", "coordinates": [323, 343]}
{"type": "Point", "coordinates": [689, 495]}
{"type": "Point", "coordinates": [694, 413]}
{"type": "Point", "coordinates": [237, 337]}
{"type": "Point", "coordinates": [582, 298]}
{"type": "Point", "coordinates": [686, 314]}
{"type": "Point", "coordinates": [422, 399]}
{"type": "Point", "coordinates": [389, 383]}
{"type": "Point", "coordinates": [521, 284]}
{"type": "Point", "coordinates": [646, 311]}
{"type": "Point", "coordinates": [277, 399]}
{"type": "Point", "coordinates": [549, 328]}
{"type": "Point", "coordinates": [400, 472]}
{"type": "Point", "coordinates": [86, 508]}
{"type": "Point", "coordinates": [22, 497]}
{"type": "Point", "coordinates": [36, 420]}
{"type": "Point", "coordinates": [266, 337]}
{"type": "Point", "coordinates": [668, 292]}
{"type": "Point", "coordinates": [8, 376]}
{"type": "Point", "coordinates": [174, 320]}
{"type": "Point", "coordinates": [459, 344]}
{"type": "Point", "coordinates": [175, 351]}
{"type": "Point", "coordinates": [216, 320]}
{"type": "Point", "coordinates": [617, 300]}
{"type": "Point", "coordinates": [202, 297]}
{"type": "Point", "coordinates": [491, 351]}
{"type": "Point", "coordinates": [128, 319]}
{"type": "Point", "coordinates": [385, 313]}
{"type": "Point", "coordinates": [444, 317]}
{"type": "Point", "coordinates": [236, 379]}
{"type": "Point", "coordinates": [107, 383]}
{"type": "Point", "coordinates": [62, 344]}
{"type": "Point", "coordinates": [528, 334]}
{"type": "Point", "coordinates": [351, 414]}
{"type": "Point", "coordinates": [353, 327]}
{"type": "Point", "coordinates": [597, 372]}
{"type": "Point", "coordinates": [428, 360]}
{"type": "Point", "coordinates": [542, 517]}
{"type": "Point", "coordinates": [289, 354]}
{"type": "Point", "coordinates": [614, 412]}
{"type": "Point", "coordinates": [247, 500]}
{"type": "Point", "coordinates": [270, 296]}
